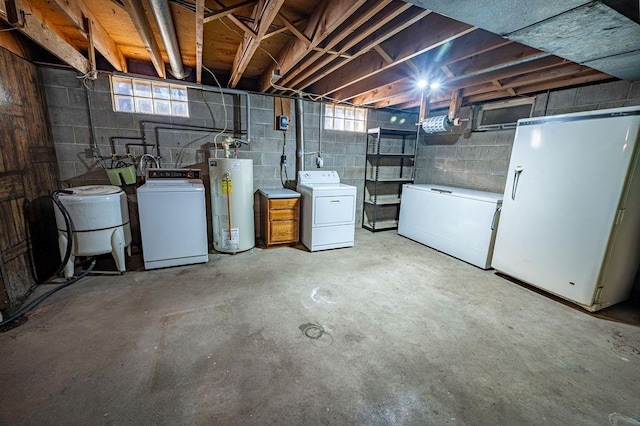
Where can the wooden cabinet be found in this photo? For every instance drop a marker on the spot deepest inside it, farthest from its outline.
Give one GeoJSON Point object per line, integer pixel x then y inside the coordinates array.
{"type": "Point", "coordinates": [279, 218]}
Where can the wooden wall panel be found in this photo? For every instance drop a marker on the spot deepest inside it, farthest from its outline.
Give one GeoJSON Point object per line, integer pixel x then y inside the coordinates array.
{"type": "Point", "coordinates": [28, 175]}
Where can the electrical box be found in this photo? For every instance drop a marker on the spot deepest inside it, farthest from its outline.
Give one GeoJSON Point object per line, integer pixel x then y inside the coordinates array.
{"type": "Point", "coordinates": [282, 122]}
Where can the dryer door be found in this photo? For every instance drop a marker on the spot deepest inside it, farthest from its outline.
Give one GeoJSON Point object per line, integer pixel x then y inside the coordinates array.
{"type": "Point", "coordinates": [335, 209]}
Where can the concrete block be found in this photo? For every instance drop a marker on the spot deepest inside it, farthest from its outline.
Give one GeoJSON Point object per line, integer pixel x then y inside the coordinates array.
{"type": "Point", "coordinates": [480, 138]}
{"type": "Point", "coordinates": [605, 92]}
{"type": "Point", "coordinates": [60, 77]}
{"type": "Point", "coordinates": [499, 167]}
{"type": "Point", "coordinates": [266, 171]}
{"type": "Point", "coordinates": [632, 102]}
{"type": "Point", "coordinates": [101, 102]}
{"type": "Point", "coordinates": [469, 152]}
{"type": "Point", "coordinates": [262, 116]}
{"type": "Point", "coordinates": [68, 116]}
{"type": "Point", "coordinates": [446, 152]}
{"type": "Point", "coordinates": [634, 91]}
{"type": "Point", "coordinates": [614, 104]}
{"type": "Point", "coordinates": [62, 134]}
{"type": "Point", "coordinates": [355, 148]}
{"type": "Point", "coordinates": [572, 109]}
{"type": "Point", "coordinates": [78, 98]}
{"type": "Point", "coordinates": [505, 137]}
{"type": "Point", "coordinates": [101, 84]}
{"type": "Point", "coordinates": [116, 120]}
{"type": "Point", "coordinates": [71, 152]}
{"type": "Point", "coordinates": [56, 96]}
{"type": "Point", "coordinates": [66, 169]}
{"type": "Point", "coordinates": [561, 99]}
{"type": "Point", "coordinates": [82, 135]}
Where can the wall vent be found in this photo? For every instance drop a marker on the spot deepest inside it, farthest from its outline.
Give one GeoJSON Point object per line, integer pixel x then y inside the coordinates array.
{"type": "Point", "coordinates": [503, 115]}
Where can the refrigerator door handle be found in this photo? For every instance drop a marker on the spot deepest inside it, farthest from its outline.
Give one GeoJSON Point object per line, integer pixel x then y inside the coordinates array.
{"type": "Point", "coordinates": [516, 178]}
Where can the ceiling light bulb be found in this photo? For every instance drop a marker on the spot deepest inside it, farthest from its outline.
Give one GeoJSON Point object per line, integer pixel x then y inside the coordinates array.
{"type": "Point", "coordinates": [422, 83]}
{"type": "Point", "coordinates": [434, 85]}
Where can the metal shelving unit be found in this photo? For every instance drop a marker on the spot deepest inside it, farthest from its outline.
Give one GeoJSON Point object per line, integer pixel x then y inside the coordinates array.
{"type": "Point", "coordinates": [390, 163]}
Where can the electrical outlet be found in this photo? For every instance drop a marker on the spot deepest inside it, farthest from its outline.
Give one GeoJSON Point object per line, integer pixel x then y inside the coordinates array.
{"type": "Point", "coordinates": [282, 122]}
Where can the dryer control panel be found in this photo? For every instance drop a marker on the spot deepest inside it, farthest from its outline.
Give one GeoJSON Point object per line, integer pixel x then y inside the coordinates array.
{"type": "Point", "coordinates": [318, 176]}
{"type": "Point", "coordinates": [173, 174]}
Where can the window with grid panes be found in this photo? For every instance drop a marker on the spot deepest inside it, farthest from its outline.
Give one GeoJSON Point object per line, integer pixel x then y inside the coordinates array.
{"type": "Point", "coordinates": [149, 97]}
{"type": "Point", "coordinates": [345, 118]}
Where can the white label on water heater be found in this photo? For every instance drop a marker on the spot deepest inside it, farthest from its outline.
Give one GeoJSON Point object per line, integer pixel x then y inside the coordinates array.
{"type": "Point", "coordinates": [231, 241]}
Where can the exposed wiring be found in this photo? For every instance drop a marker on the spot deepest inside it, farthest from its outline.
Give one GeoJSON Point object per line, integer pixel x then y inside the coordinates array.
{"type": "Point", "coordinates": [143, 165]}
{"type": "Point", "coordinates": [283, 162]}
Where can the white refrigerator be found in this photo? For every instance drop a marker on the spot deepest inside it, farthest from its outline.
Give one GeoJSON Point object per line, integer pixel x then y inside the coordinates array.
{"type": "Point", "coordinates": [570, 219]}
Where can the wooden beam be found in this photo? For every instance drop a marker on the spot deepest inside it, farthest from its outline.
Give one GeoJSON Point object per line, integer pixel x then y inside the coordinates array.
{"type": "Point", "coordinates": [324, 20]}
{"type": "Point", "coordinates": [387, 58]}
{"type": "Point", "coordinates": [199, 38]}
{"type": "Point", "coordinates": [462, 48]}
{"type": "Point", "coordinates": [388, 24]}
{"type": "Point", "coordinates": [455, 103]}
{"type": "Point", "coordinates": [291, 27]}
{"type": "Point", "coordinates": [358, 21]}
{"type": "Point", "coordinates": [264, 12]}
{"type": "Point", "coordinates": [225, 11]}
{"type": "Point", "coordinates": [141, 23]}
{"type": "Point", "coordinates": [239, 23]}
{"type": "Point", "coordinates": [76, 11]}
{"type": "Point", "coordinates": [427, 34]}
{"type": "Point", "coordinates": [37, 28]}
{"type": "Point", "coordinates": [283, 29]}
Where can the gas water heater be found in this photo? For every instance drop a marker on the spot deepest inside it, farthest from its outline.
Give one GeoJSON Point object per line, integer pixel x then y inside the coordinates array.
{"type": "Point", "coordinates": [232, 204]}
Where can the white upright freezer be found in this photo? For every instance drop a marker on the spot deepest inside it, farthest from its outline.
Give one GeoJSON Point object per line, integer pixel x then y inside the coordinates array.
{"type": "Point", "coordinates": [460, 222]}
{"type": "Point", "coordinates": [570, 220]}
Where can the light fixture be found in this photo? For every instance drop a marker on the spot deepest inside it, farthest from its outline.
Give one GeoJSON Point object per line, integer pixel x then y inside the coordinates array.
{"type": "Point", "coordinates": [435, 85]}
{"type": "Point", "coordinates": [422, 83]}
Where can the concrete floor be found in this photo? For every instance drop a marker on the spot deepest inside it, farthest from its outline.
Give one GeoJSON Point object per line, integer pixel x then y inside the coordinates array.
{"type": "Point", "coordinates": [412, 336]}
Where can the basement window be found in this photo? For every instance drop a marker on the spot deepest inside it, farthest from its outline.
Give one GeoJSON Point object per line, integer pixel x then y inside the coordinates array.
{"type": "Point", "coordinates": [345, 118]}
{"type": "Point", "coordinates": [149, 97]}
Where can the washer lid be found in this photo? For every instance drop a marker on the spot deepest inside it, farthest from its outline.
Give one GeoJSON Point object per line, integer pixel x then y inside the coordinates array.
{"type": "Point", "coordinates": [95, 190]}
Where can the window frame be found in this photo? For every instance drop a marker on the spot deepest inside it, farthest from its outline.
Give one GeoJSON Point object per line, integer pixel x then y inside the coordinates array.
{"type": "Point", "coordinates": [142, 96]}
{"type": "Point", "coordinates": [344, 118]}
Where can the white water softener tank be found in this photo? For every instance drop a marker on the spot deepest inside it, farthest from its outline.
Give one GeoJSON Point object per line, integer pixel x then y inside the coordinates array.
{"type": "Point", "coordinates": [99, 221]}
{"type": "Point", "coordinates": [232, 204]}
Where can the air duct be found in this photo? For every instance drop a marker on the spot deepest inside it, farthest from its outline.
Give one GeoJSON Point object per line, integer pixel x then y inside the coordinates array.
{"type": "Point", "coordinates": [162, 14]}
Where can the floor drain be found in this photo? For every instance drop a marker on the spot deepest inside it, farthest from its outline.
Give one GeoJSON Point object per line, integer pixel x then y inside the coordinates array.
{"type": "Point", "coordinates": [316, 332]}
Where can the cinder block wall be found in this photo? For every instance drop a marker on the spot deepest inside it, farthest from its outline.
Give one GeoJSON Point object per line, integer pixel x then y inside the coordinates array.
{"type": "Point", "coordinates": [68, 111]}
{"type": "Point", "coordinates": [479, 160]}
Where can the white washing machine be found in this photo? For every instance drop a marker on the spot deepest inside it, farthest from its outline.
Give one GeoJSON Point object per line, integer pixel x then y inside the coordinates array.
{"type": "Point", "coordinates": [173, 218]}
{"type": "Point", "coordinates": [328, 217]}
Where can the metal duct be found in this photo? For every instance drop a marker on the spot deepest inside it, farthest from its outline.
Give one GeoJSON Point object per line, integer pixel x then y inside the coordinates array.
{"type": "Point", "coordinates": [162, 14]}
{"type": "Point", "coordinates": [299, 135]}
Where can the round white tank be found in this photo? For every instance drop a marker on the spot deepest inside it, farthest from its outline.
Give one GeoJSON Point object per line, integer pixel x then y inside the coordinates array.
{"type": "Point", "coordinates": [232, 204]}
{"type": "Point", "coordinates": [100, 223]}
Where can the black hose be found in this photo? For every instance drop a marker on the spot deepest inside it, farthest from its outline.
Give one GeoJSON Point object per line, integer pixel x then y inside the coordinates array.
{"type": "Point", "coordinates": [67, 256]}
{"type": "Point", "coordinates": [67, 222]}
{"type": "Point", "coordinates": [42, 297]}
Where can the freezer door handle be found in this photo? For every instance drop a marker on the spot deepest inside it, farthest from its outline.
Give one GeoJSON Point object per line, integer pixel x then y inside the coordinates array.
{"type": "Point", "coordinates": [516, 178]}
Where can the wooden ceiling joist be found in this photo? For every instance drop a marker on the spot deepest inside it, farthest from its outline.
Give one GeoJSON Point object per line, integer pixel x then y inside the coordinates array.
{"type": "Point", "coordinates": [76, 11]}
{"type": "Point", "coordinates": [321, 24]}
{"type": "Point", "coordinates": [264, 12]}
{"type": "Point", "coordinates": [427, 34]}
{"type": "Point", "coordinates": [294, 30]}
{"type": "Point", "coordinates": [348, 28]}
{"type": "Point", "coordinates": [429, 61]}
{"type": "Point", "coordinates": [199, 38]}
{"type": "Point", "coordinates": [236, 21]}
{"type": "Point", "coordinates": [225, 11]}
{"type": "Point", "coordinates": [387, 25]}
{"type": "Point", "coordinates": [36, 27]}
{"type": "Point", "coordinates": [136, 12]}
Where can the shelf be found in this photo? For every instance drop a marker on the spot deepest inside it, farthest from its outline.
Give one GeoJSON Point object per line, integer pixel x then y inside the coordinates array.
{"type": "Point", "coordinates": [381, 225]}
{"type": "Point", "coordinates": [391, 132]}
{"type": "Point", "coordinates": [390, 155]}
{"type": "Point", "coordinates": [384, 202]}
{"type": "Point", "coordinates": [392, 180]}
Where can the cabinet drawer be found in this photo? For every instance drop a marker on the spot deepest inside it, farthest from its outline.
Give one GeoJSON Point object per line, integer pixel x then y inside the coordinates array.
{"type": "Point", "coordinates": [284, 231]}
{"type": "Point", "coordinates": [285, 203]}
{"type": "Point", "coordinates": [283, 214]}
